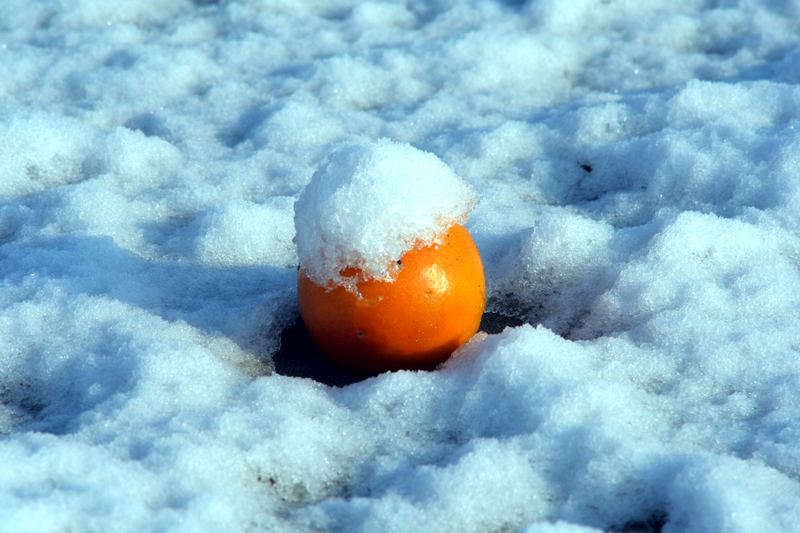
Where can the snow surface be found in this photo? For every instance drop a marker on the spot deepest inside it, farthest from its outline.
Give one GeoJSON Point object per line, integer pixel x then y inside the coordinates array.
{"type": "Point", "coordinates": [638, 168]}
{"type": "Point", "coordinates": [369, 204]}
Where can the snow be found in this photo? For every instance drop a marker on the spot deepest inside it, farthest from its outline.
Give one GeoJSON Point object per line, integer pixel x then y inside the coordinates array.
{"type": "Point", "coordinates": [636, 165]}
{"type": "Point", "coordinates": [369, 204]}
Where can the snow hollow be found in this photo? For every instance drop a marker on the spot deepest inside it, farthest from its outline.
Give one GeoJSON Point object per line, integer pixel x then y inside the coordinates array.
{"type": "Point", "coordinates": [637, 166]}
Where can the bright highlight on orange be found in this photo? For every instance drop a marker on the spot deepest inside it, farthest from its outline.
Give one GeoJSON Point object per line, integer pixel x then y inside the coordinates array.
{"type": "Point", "coordinates": [433, 306]}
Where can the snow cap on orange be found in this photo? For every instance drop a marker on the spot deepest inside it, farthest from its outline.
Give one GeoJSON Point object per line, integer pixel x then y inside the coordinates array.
{"type": "Point", "coordinates": [370, 203]}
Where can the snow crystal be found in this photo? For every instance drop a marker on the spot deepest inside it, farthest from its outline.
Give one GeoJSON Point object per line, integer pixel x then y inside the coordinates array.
{"type": "Point", "coordinates": [241, 233]}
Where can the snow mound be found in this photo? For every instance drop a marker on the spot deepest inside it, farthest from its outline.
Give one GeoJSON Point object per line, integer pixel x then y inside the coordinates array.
{"type": "Point", "coordinates": [369, 203]}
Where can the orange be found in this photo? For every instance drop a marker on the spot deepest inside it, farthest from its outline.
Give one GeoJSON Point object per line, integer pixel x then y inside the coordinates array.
{"type": "Point", "coordinates": [433, 306]}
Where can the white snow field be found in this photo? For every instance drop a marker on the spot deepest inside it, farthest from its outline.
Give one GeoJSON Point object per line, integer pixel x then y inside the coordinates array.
{"type": "Point", "coordinates": [637, 165]}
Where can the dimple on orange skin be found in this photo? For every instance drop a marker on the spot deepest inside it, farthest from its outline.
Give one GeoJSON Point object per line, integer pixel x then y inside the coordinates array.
{"type": "Point", "coordinates": [433, 306]}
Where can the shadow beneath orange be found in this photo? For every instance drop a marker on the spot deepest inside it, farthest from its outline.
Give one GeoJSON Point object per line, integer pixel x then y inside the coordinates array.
{"type": "Point", "coordinates": [299, 357]}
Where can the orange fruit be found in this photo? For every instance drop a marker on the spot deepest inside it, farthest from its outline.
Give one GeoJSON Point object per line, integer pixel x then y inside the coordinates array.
{"type": "Point", "coordinates": [433, 306]}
